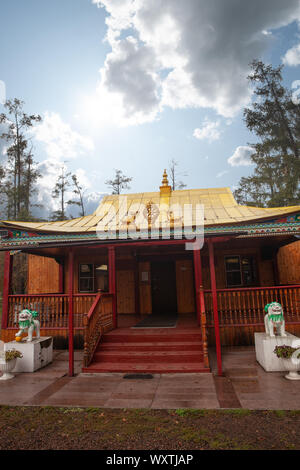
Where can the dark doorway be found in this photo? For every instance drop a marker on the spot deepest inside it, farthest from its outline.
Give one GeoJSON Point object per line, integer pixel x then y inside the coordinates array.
{"type": "Point", "coordinates": [163, 285]}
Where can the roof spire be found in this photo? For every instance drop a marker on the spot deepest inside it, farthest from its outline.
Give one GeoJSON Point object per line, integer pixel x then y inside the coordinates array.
{"type": "Point", "coordinates": [165, 181]}
{"type": "Point", "coordinates": [165, 188]}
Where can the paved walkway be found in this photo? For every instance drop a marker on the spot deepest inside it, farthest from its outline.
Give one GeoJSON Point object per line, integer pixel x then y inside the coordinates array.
{"type": "Point", "coordinates": [244, 385]}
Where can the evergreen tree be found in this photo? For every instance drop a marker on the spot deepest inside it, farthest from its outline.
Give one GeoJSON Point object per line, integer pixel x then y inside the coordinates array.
{"type": "Point", "coordinates": [59, 192]}
{"type": "Point", "coordinates": [19, 173]}
{"type": "Point", "coordinates": [78, 191]}
{"type": "Point", "coordinates": [119, 183]}
{"type": "Point", "coordinates": [275, 119]}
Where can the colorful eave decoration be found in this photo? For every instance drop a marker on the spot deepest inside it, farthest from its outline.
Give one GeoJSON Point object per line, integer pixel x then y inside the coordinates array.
{"type": "Point", "coordinates": [285, 225]}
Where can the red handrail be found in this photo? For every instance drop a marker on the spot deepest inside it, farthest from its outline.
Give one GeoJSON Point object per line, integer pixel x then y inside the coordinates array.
{"type": "Point", "coordinates": [234, 289]}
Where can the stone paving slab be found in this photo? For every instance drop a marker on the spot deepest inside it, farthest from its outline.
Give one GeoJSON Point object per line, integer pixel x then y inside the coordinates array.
{"type": "Point", "coordinates": [244, 384]}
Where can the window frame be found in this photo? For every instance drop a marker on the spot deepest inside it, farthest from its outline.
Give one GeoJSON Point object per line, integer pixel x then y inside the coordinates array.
{"type": "Point", "coordinates": [254, 270]}
{"type": "Point", "coordinates": [90, 277]}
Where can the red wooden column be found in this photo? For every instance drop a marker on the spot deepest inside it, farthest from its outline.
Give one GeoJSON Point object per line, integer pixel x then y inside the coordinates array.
{"type": "Point", "coordinates": [136, 289]}
{"type": "Point", "coordinates": [198, 282]}
{"type": "Point", "coordinates": [8, 267]}
{"type": "Point", "coordinates": [71, 325]}
{"type": "Point", "coordinates": [215, 304]}
{"type": "Point", "coordinates": [112, 281]}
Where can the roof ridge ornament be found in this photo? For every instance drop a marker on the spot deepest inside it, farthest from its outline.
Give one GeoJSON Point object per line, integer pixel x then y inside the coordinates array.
{"type": "Point", "coordinates": [165, 188]}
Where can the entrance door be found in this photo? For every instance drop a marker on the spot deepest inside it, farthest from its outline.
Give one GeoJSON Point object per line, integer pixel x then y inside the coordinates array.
{"type": "Point", "coordinates": [163, 282]}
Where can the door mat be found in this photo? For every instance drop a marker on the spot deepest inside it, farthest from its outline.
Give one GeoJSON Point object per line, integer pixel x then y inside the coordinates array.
{"type": "Point", "coordinates": [162, 320]}
{"type": "Point", "coordinates": [138, 376]}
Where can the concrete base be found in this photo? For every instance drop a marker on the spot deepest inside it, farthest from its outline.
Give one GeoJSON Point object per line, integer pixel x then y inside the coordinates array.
{"type": "Point", "coordinates": [36, 354]}
{"type": "Point", "coordinates": [264, 349]}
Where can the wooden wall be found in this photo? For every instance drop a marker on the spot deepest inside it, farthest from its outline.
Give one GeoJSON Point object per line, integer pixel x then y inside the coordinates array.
{"type": "Point", "coordinates": [288, 262]}
{"type": "Point", "coordinates": [265, 270]}
{"type": "Point", "coordinates": [145, 288]}
{"type": "Point", "coordinates": [43, 275]}
{"type": "Point", "coordinates": [185, 286]}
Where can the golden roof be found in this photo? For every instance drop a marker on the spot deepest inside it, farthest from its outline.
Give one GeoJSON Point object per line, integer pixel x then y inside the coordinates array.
{"type": "Point", "coordinates": [220, 208]}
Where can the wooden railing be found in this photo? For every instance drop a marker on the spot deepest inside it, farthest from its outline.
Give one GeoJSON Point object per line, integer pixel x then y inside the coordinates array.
{"type": "Point", "coordinates": [245, 306]}
{"type": "Point", "coordinates": [52, 308]}
{"type": "Point", "coordinates": [203, 326]}
{"type": "Point", "coordinates": [98, 321]}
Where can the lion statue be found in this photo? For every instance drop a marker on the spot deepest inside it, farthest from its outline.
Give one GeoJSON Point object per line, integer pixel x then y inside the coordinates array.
{"type": "Point", "coordinates": [28, 321]}
{"type": "Point", "coordinates": [274, 318]}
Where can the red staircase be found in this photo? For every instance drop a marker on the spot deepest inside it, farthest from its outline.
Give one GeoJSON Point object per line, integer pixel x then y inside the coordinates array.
{"type": "Point", "coordinates": [157, 350]}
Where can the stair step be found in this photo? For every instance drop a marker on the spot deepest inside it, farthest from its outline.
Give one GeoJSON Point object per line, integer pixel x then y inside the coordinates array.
{"type": "Point", "coordinates": [153, 338]}
{"type": "Point", "coordinates": [153, 350]}
{"type": "Point", "coordinates": [141, 368]}
{"type": "Point", "coordinates": [148, 357]}
{"type": "Point", "coordinates": [151, 346]}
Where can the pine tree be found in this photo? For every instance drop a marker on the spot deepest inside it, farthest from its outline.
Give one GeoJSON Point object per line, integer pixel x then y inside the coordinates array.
{"type": "Point", "coordinates": [275, 119]}
{"type": "Point", "coordinates": [19, 173]}
{"type": "Point", "coordinates": [119, 183]}
{"type": "Point", "coordinates": [59, 192]}
{"type": "Point", "coordinates": [78, 191]}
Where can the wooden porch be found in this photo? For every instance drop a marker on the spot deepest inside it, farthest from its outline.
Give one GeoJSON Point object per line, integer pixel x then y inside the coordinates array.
{"type": "Point", "coordinates": [222, 316]}
{"type": "Point", "coordinates": [240, 314]}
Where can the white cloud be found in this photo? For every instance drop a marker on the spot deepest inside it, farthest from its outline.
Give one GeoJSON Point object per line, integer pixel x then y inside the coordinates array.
{"type": "Point", "coordinates": [170, 53]}
{"type": "Point", "coordinates": [50, 169]}
{"type": "Point", "coordinates": [62, 143]}
{"type": "Point", "coordinates": [222, 173]}
{"type": "Point", "coordinates": [3, 143]}
{"type": "Point", "coordinates": [209, 131]}
{"type": "Point", "coordinates": [241, 156]}
{"type": "Point", "coordinates": [292, 56]}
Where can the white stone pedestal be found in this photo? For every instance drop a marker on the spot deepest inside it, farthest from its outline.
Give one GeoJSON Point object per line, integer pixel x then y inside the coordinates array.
{"type": "Point", "coordinates": [264, 349]}
{"type": "Point", "coordinates": [36, 354]}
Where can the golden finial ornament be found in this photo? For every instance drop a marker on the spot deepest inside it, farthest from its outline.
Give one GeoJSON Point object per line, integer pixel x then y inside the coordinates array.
{"type": "Point", "coordinates": [165, 188]}
{"type": "Point", "coordinates": [165, 181]}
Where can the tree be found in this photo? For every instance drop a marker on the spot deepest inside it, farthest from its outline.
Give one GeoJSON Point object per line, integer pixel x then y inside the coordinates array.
{"type": "Point", "coordinates": [59, 192]}
{"type": "Point", "coordinates": [174, 174]}
{"type": "Point", "coordinates": [78, 191]}
{"type": "Point", "coordinates": [275, 119]}
{"type": "Point", "coordinates": [20, 174]}
{"type": "Point", "coordinates": [119, 183]}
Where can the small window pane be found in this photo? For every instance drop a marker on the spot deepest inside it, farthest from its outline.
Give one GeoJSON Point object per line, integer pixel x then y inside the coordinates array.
{"type": "Point", "coordinates": [232, 263]}
{"type": "Point", "coordinates": [102, 278]}
{"type": "Point", "coordinates": [86, 278]}
{"type": "Point", "coordinates": [234, 278]}
{"type": "Point", "coordinates": [86, 285]}
{"type": "Point", "coordinates": [249, 271]}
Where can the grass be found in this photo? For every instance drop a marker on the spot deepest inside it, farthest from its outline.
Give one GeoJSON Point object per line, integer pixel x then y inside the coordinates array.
{"type": "Point", "coordinates": [125, 429]}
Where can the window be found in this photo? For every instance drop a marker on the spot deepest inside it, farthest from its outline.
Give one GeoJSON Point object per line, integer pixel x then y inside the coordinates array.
{"type": "Point", "coordinates": [101, 271]}
{"type": "Point", "coordinates": [240, 271]}
{"type": "Point", "coordinates": [86, 278]}
{"type": "Point", "coordinates": [93, 278]}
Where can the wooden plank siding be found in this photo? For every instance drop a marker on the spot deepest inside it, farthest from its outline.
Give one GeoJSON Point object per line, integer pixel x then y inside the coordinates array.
{"type": "Point", "coordinates": [43, 275]}
{"type": "Point", "coordinates": [288, 262]}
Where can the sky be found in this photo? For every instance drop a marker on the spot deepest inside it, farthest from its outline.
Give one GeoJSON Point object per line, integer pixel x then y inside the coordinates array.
{"type": "Point", "coordinates": [133, 84]}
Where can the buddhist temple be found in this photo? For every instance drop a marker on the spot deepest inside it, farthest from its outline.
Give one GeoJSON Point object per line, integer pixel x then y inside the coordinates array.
{"type": "Point", "coordinates": [150, 281]}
